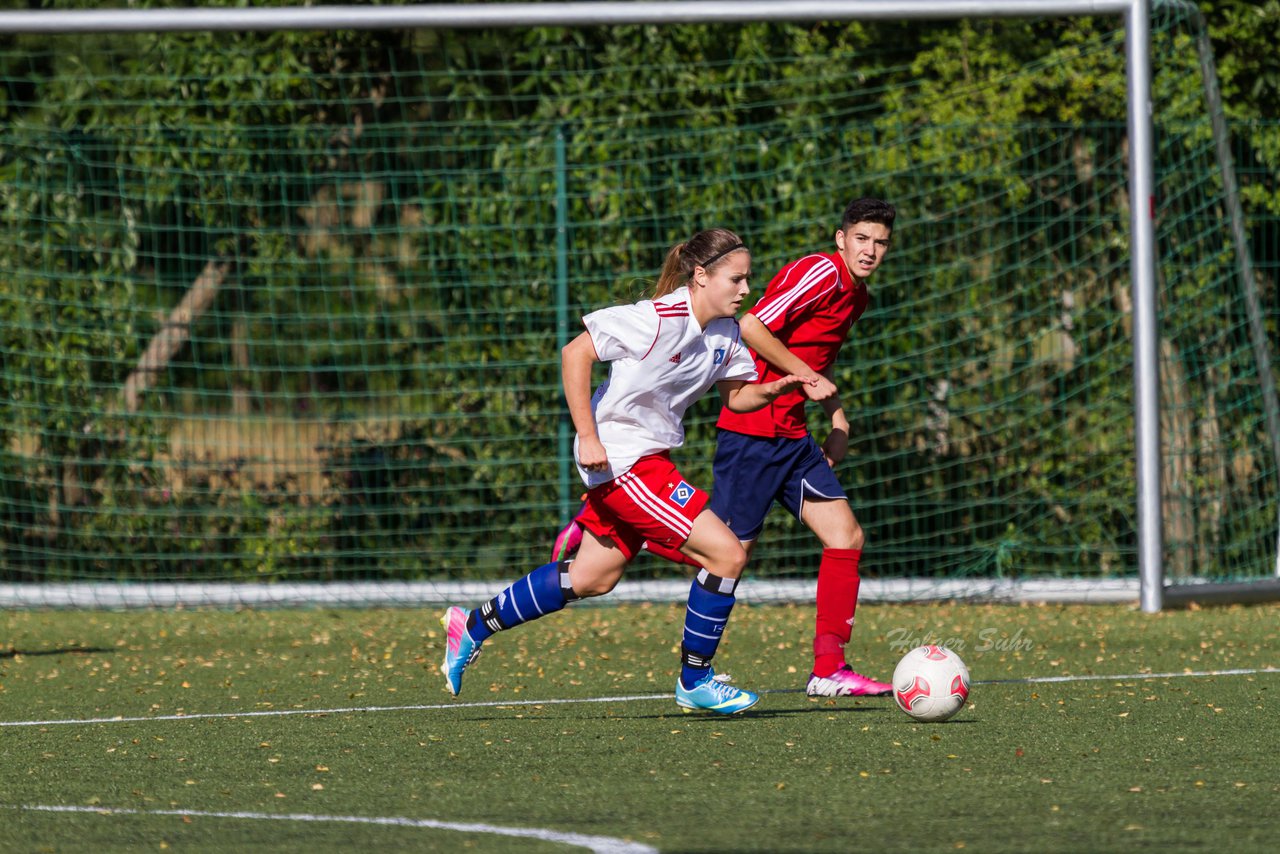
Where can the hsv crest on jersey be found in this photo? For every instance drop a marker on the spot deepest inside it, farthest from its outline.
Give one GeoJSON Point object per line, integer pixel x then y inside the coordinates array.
{"type": "Point", "coordinates": [681, 494]}
{"type": "Point", "coordinates": [719, 357]}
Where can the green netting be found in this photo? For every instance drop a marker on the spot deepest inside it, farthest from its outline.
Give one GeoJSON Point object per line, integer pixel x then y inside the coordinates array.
{"type": "Point", "coordinates": [288, 306]}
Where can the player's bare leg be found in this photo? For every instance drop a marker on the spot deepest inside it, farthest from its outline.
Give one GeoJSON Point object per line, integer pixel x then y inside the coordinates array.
{"type": "Point", "coordinates": [842, 538]}
{"type": "Point", "coordinates": [833, 522]}
{"type": "Point", "coordinates": [597, 566]}
{"type": "Point", "coordinates": [713, 546]}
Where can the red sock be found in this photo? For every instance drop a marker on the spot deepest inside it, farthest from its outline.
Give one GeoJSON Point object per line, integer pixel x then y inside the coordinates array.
{"type": "Point", "coordinates": [837, 601]}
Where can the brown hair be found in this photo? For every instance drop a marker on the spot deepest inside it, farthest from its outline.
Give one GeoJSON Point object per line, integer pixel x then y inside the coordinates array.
{"type": "Point", "coordinates": [868, 210]}
{"type": "Point", "coordinates": [705, 249]}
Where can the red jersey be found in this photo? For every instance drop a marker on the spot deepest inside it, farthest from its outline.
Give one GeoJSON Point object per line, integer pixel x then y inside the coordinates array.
{"type": "Point", "coordinates": [810, 306]}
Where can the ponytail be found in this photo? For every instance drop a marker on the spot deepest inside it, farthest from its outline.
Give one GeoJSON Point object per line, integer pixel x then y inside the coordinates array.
{"type": "Point", "coordinates": [705, 249]}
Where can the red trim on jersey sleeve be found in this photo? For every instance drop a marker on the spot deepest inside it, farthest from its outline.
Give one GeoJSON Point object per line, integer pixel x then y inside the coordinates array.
{"type": "Point", "coordinates": [796, 286]}
{"type": "Point", "coordinates": [654, 343]}
{"type": "Point", "coordinates": [665, 309]}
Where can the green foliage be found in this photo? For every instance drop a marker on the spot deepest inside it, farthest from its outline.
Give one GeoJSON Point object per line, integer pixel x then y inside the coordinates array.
{"type": "Point", "coordinates": [387, 202]}
{"type": "Point", "coordinates": [1244, 34]}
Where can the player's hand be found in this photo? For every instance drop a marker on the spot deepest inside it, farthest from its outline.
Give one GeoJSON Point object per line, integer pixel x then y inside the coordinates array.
{"type": "Point", "coordinates": [591, 454]}
{"type": "Point", "coordinates": [821, 389]}
{"type": "Point", "coordinates": [836, 447]}
{"type": "Point", "coordinates": [782, 385]}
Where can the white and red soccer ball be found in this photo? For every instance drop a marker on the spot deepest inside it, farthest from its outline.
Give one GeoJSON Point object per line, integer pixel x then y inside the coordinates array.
{"type": "Point", "coordinates": [931, 683]}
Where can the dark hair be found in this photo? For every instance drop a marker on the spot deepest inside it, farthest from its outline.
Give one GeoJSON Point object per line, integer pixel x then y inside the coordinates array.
{"type": "Point", "coordinates": [868, 210]}
{"type": "Point", "coordinates": [705, 249]}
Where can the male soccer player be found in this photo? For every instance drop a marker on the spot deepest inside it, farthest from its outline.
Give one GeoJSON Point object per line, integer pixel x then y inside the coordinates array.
{"type": "Point", "coordinates": [797, 327]}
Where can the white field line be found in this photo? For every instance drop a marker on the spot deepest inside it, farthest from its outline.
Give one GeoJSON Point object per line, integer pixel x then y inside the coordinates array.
{"type": "Point", "coordinates": [634, 698]}
{"type": "Point", "coordinates": [600, 844]}
{"type": "Point", "coordinates": [267, 713]}
{"type": "Point", "coordinates": [1239, 671]}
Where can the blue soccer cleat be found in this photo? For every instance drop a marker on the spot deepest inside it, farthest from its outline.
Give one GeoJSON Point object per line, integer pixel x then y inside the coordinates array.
{"type": "Point", "coordinates": [715, 695]}
{"type": "Point", "coordinates": [459, 649]}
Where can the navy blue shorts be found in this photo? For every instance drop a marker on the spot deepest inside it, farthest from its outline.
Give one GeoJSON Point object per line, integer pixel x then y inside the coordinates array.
{"type": "Point", "coordinates": [752, 472]}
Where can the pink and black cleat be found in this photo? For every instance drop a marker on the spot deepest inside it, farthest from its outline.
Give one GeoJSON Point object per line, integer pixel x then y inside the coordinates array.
{"type": "Point", "coordinates": [846, 683]}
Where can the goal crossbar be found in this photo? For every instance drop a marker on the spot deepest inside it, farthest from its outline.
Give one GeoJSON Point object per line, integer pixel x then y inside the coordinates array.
{"type": "Point", "coordinates": [585, 14]}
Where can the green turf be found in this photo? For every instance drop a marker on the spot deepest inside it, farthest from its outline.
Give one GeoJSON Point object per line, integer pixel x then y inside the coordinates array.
{"type": "Point", "coordinates": [1107, 764]}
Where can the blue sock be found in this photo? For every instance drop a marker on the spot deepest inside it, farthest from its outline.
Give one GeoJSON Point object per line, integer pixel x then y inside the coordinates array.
{"type": "Point", "coordinates": [541, 592]}
{"type": "Point", "coordinates": [710, 601]}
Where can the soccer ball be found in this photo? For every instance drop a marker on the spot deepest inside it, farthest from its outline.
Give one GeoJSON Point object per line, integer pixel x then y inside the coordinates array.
{"type": "Point", "coordinates": [931, 683]}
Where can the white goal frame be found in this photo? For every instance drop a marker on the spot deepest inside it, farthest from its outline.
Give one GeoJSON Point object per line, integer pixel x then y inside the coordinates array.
{"type": "Point", "coordinates": [1154, 594]}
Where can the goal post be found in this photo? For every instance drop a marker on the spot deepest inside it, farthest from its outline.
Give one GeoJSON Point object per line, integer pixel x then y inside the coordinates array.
{"type": "Point", "coordinates": [1257, 590]}
{"type": "Point", "coordinates": [296, 369]}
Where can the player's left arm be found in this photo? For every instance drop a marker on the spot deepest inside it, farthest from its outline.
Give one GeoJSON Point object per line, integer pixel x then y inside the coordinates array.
{"type": "Point", "coordinates": [769, 347]}
{"type": "Point", "coordinates": [836, 446]}
{"type": "Point", "coordinates": [742, 396]}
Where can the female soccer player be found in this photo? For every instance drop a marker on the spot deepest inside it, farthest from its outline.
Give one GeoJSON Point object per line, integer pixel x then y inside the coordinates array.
{"type": "Point", "coordinates": [664, 353]}
{"type": "Point", "coordinates": [765, 457]}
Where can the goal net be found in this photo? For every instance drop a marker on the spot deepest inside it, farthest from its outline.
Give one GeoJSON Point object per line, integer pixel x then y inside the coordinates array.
{"type": "Point", "coordinates": [280, 312]}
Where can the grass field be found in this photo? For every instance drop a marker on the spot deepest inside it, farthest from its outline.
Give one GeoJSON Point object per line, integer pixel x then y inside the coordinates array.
{"type": "Point", "coordinates": [1090, 728]}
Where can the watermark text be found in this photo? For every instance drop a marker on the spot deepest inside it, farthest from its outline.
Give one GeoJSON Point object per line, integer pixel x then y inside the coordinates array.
{"type": "Point", "coordinates": [988, 640]}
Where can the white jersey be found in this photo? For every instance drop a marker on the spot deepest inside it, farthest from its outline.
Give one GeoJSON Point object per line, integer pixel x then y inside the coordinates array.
{"type": "Point", "coordinates": [661, 361]}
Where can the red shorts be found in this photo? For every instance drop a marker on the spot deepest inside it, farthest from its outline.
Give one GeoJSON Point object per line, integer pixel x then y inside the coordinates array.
{"type": "Point", "coordinates": [650, 503]}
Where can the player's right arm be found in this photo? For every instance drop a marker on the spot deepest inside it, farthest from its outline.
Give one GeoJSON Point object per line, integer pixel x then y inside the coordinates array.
{"type": "Point", "coordinates": [768, 347]}
{"type": "Point", "coordinates": [836, 446]}
{"type": "Point", "coordinates": [576, 361]}
{"type": "Point", "coordinates": [742, 396]}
